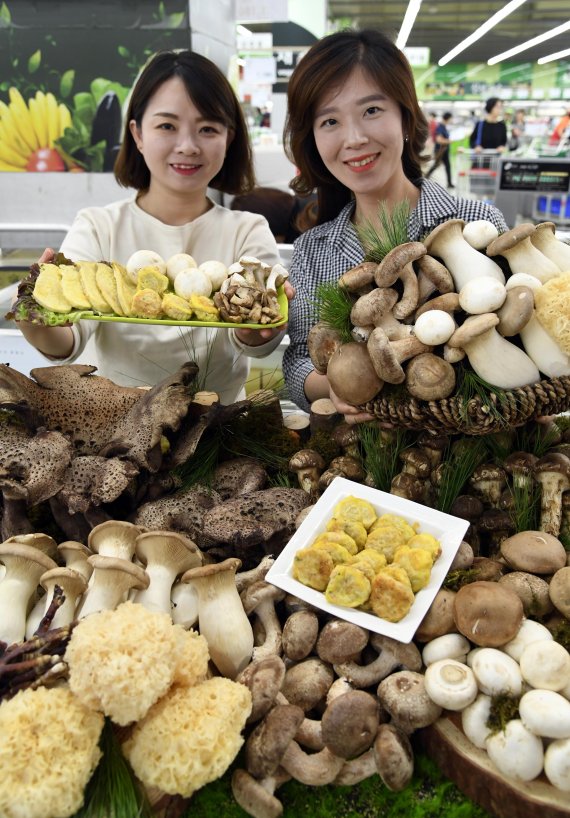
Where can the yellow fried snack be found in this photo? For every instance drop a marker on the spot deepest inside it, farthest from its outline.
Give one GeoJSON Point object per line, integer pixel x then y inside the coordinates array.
{"type": "Point", "coordinates": [72, 287]}
{"type": "Point", "coordinates": [105, 278]}
{"type": "Point", "coordinates": [339, 537]}
{"type": "Point", "coordinates": [147, 304]}
{"type": "Point", "coordinates": [337, 551]}
{"type": "Point", "coordinates": [417, 563]}
{"type": "Point", "coordinates": [376, 559]}
{"type": "Point", "coordinates": [125, 288]}
{"type": "Point", "coordinates": [204, 308]}
{"type": "Point", "coordinates": [386, 539]}
{"type": "Point", "coordinates": [150, 278]}
{"type": "Point", "coordinates": [395, 520]}
{"type": "Point", "coordinates": [353, 528]}
{"type": "Point", "coordinates": [365, 566]}
{"type": "Point", "coordinates": [347, 586]}
{"type": "Point", "coordinates": [428, 542]}
{"type": "Point", "coordinates": [87, 270]}
{"type": "Point", "coordinates": [177, 308]}
{"type": "Point", "coordinates": [389, 598]}
{"type": "Point", "coordinates": [313, 567]}
{"type": "Point", "coordinates": [398, 573]}
{"type": "Point", "coordinates": [352, 508]}
{"type": "Point", "coordinates": [48, 290]}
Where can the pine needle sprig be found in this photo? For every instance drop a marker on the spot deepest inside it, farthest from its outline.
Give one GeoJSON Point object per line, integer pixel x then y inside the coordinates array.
{"type": "Point", "coordinates": [393, 231]}
{"type": "Point", "coordinates": [525, 511]}
{"type": "Point", "coordinates": [113, 791]}
{"type": "Point", "coordinates": [471, 387]}
{"type": "Point", "coordinates": [381, 452]}
{"type": "Point", "coordinates": [332, 306]}
{"type": "Point", "coordinates": [536, 438]}
{"type": "Point", "coordinates": [456, 468]}
{"type": "Point", "coordinates": [199, 469]}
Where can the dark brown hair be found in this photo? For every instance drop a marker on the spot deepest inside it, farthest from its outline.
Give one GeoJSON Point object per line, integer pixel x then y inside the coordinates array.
{"type": "Point", "coordinates": [214, 97]}
{"type": "Point", "coordinates": [326, 65]}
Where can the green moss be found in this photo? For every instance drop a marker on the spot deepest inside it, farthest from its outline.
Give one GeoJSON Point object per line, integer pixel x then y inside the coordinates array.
{"type": "Point", "coordinates": [503, 709]}
{"type": "Point", "coordinates": [561, 634]}
{"type": "Point", "coordinates": [430, 795]}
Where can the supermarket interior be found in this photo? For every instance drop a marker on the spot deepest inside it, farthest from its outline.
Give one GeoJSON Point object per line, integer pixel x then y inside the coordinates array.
{"type": "Point", "coordinates": [285, 408]}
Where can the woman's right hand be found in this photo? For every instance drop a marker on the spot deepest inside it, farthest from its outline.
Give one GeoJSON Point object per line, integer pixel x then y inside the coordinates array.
{"type": "Point", "coordinates": [47, 256]}
{"type": "Point", "coordinates": [352, 414]}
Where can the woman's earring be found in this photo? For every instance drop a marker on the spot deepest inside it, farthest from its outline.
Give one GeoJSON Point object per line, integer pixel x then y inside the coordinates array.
{"type": "Point", "coordinates": [405, 137]}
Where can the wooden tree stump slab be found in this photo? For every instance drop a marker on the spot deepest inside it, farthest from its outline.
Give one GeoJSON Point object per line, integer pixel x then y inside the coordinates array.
{"type": "Point", "coordinates": [474, 773]}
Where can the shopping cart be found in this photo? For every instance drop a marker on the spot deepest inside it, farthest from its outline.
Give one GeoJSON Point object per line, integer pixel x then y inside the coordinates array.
{"type": "Point", "coordinates": [477, 174]}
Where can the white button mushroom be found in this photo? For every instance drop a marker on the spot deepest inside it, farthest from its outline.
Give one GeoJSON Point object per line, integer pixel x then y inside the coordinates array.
{"type": "Point", "coordinates": [178, 262]}
{"type": "Point", "coordinates": [497, 673]}
{"type": "Point", "coordinates": [144, 258]}
{"type": "Point", "coordinates": [450, 684]}
{"type": "Point", "coordinates": [557, 764]}
{"type": "Point", "coordinates": [516, 752]}
{"type": "Point", "coordinates": [545, 665]}
{"type": "Point", "coordinates": [545, 713]}
{"type": "Point", "coordinates": [523, 280]}
{"type": "Point", "coordinates": [216, 271]}
{"type": "Point", "coordinates": [480, 233]}
{"type": "Point", "coordinates": [192, 281]}
{"type": "Point", "coordinates": [483, 294]}
{"type": "Point", "coordinates": [530, 631]}
{"type": "Point", "coordinates": [474, 720]}
{"type": "Point", "coordinates": [449, 646]}
{"type": "Point", "coordinates": [434, 327]}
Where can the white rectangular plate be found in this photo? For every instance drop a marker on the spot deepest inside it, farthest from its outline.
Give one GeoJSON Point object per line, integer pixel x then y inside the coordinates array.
{"type": "Point", "coordinates": [449, 531]}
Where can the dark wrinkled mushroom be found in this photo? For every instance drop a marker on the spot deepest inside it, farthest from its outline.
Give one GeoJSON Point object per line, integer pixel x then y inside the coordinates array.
{"type": "Point", "coordinates": [430, 377]}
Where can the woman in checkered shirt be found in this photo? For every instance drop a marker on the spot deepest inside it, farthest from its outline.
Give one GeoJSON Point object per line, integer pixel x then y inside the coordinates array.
{"type": "Point", "coordinates": [356, 133]}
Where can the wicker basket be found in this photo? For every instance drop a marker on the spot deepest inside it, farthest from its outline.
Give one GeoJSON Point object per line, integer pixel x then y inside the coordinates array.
{"type": "Point", "coordinates": [476, 416]}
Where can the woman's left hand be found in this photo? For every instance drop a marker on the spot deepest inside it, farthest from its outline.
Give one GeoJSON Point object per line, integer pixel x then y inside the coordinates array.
{"type": "Point", "coordinates": [257, 337]}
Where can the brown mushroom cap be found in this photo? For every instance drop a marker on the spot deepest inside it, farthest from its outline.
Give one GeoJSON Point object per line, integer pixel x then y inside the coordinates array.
{"type": "Point", "coordinates": [532, 590]}
{"type": "Point", "coordinates": [439, 618]}
{"type": "Point", "coordinates": [322, 342]}
{"type": "Point", "coordinates": [340, 641]}
{"type": "Point", "coordinates": [404, 696]}
{"type": "Point", "coordinates": [429, 377]}
{"type": "Point", "coordinates": [253, 797]}
{"type": "Point", "coordinates": [516, 312]}
{"type": "Point", "coordinates": [506, 241]}
{"type": "Point", "coordinates": [559, 590]}
{"type": "Point", "coordinates": [300, 633]}
{"type": "Point", "coordinates": [534, 551]}
{"type": "Point", "coordinates": [387, 356]}
{"type": "Point", "coordinates": [368, 309]}
{"type": "Point", "coordinates": [487, 613]}
{"type": "Point", "coordinates": [472, 328]}
{"type": "Point", "coordinates": [448, 302]}
{"type": "Point", "coordinates": [351, 374]}
{"type": "Point", "coordinates": [307, 683]}
{"type": "Point", "coordinates": [394, 757]}
{"type": "Point", "coordinates": [349, 723]}
{"type": "Point", "coordinates": [392, 264]}
{"type": "Point", "coordinates": [266, 745]}
{"type": "Point", "coordinates": [437, 273]}
{"type": "Point", "coordinates": [358, 278]}
{"type": "Point", "coordinates": [263, 679]}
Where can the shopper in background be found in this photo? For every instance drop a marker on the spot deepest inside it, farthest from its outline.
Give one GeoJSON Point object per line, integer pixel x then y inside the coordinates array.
{"type": "Point", "coordinates": [562, 126]}
{"type": "Point", "coordinates": [517, 130]}
{"type": "Point", "coordinates": [287, 215]}
{"type": "Point", "coordinates": [490, 133]}
{"type": "Point", "coordinates": [184, 132]}
{"type": "Point", "coordinates": [356, 133]}
{"type": "Point", "coordinates": [441, 152]}
{"type": "Point", "coordinates": [432, 127]}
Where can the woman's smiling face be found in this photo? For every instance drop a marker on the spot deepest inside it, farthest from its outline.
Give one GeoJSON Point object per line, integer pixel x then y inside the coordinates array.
{"type": "Point", "coordinates": [358, 133]}
{"type": "Point", "coordinates": [183, 150]}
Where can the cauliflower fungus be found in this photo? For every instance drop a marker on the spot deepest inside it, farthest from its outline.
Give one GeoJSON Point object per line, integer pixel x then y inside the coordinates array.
{"type": "Point", "coordinates": [48, 752]}
{"type": "Point", "coordinates": [551, 306]}
{"type": "Point", "coordinates": [190, 737]}
{"type": "Point", "coordinates": [122, 661]}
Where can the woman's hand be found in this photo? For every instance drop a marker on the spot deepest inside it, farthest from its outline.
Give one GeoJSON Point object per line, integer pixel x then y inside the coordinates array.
{"type": "Point", "coordinates": [256, 337]}
{"type": "Point", "coordinates": [47, 256]}
{"type": "Point", "coordinates": [352, 414]}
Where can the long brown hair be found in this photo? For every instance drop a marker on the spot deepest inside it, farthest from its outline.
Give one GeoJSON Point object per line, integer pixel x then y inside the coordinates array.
{"type": "Point", "coordinates": [326, 65]}
{"type": "Point", "coordinates": [214, 97]}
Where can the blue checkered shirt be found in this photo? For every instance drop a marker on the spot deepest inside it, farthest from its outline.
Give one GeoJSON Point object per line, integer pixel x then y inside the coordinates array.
{"type": "Point", "coordinates": [324, 253]}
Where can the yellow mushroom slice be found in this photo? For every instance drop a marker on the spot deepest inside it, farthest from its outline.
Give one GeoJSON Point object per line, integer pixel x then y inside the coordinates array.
{"type": "Point", "coordinates": [347, 586]}
{"type": "Point", "coordinates": [417, 563]}
{"type": "Point", "coordinates": [105, 279]}
{"type": "Point", "coordinates": [87, 271]}
{"type": "Point", "coordinates": [365, 567]}
{"type": "Point", "coordinates": [376, 559]}
{"type": "Point", "coordinates": [313, 567]}
{"type": "Point", "coordinates": [385, 540]}
{"type": "Point", "coordinates": [72, 287]}
{"type": "Point", "coordinates": [353, 508]}
{"type": "Point", "coordinates": [394, 519]}
{"type": "Point", "coordinates": [389, 598]}
{"type": "Point", "coordinates": [398, 573]}
{"type": "Point", "coordinates": [338, 552]}
{"type": "Point", "coordinates": [353, 528]}
{"type": "Point", "coordinates": [177, 308]}
{"type": "Point", "coordinates": [125, 288]}
{"type": "Point", "coordinates": [427, 542]}
{"type": "Point", "coordinates": [204, 308]}
{"type": "Point", "coordinates": [48, 290]}
{"type": "Point", "coordinates": [150, 278]}
{"type": "Point", "coordinates": [338, 537]}
{"type": "Point", "coordinates": [147, 304]}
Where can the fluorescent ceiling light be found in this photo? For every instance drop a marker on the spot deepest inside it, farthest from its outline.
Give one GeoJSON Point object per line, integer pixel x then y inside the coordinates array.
{"type": "Point", "coordinates": [245, 32]}
{"type": "Point", "coordinates": [426, 74]}
{"type": "Point", "coordinates": [529, 43]}
{"type": "Point", "coordinates": [483, 29]}
{"type": "Point", "coordinates": [408, 22]}
{"type": "Point", "coordinates": [471, 72]}
{"type": "Point", "coordinates": [556, 56]}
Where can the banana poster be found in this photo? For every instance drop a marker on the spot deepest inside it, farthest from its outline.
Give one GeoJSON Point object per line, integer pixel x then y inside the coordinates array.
{"type": "Point", "coordinates": [66, 69]}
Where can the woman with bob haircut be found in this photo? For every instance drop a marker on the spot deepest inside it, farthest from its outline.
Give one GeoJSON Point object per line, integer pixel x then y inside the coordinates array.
{"type": "Point", "coordinates": [356, 133]}
{"type": "Point", "coordinates": [184, 132]}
